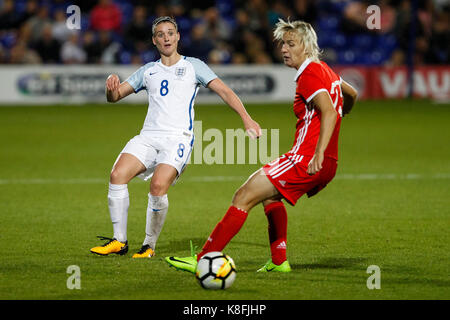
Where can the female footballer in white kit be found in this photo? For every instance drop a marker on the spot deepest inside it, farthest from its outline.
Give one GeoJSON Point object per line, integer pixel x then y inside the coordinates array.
{"type": "Point", "coordinates": [163, 147]}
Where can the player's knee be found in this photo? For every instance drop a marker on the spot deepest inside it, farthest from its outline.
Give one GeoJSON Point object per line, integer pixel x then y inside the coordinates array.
{"type": "Point", "coordinates": [158, 187]}
{"type": "Point", "coordinates": [241, 198]}
{"type": "Point", "coordinates": [118, 176]}
{"type": "Point", "coordinates": [267, 202]}
{"type": "Point", "coordinates": [238, 195]}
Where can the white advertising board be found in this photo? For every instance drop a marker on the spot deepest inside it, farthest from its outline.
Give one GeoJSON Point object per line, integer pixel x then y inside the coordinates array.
{"type": "Point", "coordinates": [26, 85]}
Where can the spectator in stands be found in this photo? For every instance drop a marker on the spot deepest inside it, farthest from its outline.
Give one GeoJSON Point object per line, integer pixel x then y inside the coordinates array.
{"type": "Point", "coordinates": [2, 55]}
{"type": "Point", "coordinates": [59, 27]}
{"type": "Point", "coordinates": [278, 10]}
{"type": "Point", "coordinates": [86, 5]}
{"type": "Point", "coordinates": [255, 48]}
{"type": "Point", "coordinates": [93, 52]}
{"type": "Point", "coordinates": [402, 23]}
{"type": "Point", "coordinates": [57, 5]}
{"type": "Point", "coordinates": [200, 5]}
{"type": "Point", "coordinates": [200, 45]}
{"type": "Point", "coordinates": [31, 9]}
{"type": "Point", "coordinates": [425, 15]}
{"type": "Point", "coordinates": [38, 22]}
{"type": "Point", "coordinates": [442, 5]}
{"type": "Point", "coordinates": [21, 54]}
{"type": "Point", "coordinates": [439, 52]}
{"type": "Point", "coordinates": [24, 33]}
{"type": "Point", "coordinates": [161, 10]}
{"type": "Point", "coordinates": [354, 17]}
{"type": "Point", "coordinates": [239, 58]}
{"type": "Point", "coordinates": [111, 54]}
{"type": "Point", "coordinates": [422, 47]}
{"type": "Point", "coordinates": [259, 24]}
{"type": "Point", "coordinates": [106, 16]}
{"type": "Point", "coordinates": [246, 40]}
{"type": "Point", "coordinates": [402, 33]}
{"type": "Point", "coordinates": [396, 59]}
{"type": "Point", "coordinates": [215, 57]}
{"type": "Point", "coordinates": [242, 27]}
{"type": "Point", "coordinates": [221, 54]}
{"type": "Point", "coordinates": [217, 28]}
{"type": "Point", "coordinates": [47, 47]}
{"type": "Point", "coordinates": [387, 16]}
{"type": "Point", "coordinates": [436, 34]}
{"type": "Point", "coordinates": [71, 51]}
{"type": "Point", "coordinates": [100, 48]}
{"type": "Point", "coordinates": [329, 56]}
{"type": "Point", "coordinates": [257, 11]}
{"type": "Point", "coordinates": [305, 10]}
{"type": "Point", "coordinates": [262, 58]}
{"type": "Point", "coordinates": [9, 19]}
{"type": "Point", "coordinates": [137, 31]}
{"type": "Point", "coordinates": [106, 47]}
{"type": "Point", "coordinates": [177, 8]}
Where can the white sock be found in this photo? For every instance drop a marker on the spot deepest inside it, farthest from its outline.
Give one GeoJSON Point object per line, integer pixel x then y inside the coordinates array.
{"type": "Point", "coordinates": [118, 202]}
{"type": "Point", "coordinates": [156, 215]}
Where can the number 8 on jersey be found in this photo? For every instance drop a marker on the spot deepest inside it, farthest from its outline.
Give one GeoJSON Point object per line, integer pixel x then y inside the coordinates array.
{"type": "Point", "coordinates": [164, 90]}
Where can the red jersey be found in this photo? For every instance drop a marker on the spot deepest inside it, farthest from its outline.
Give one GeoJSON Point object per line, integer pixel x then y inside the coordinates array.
{"type": "Point", "coordinates": [289, 173]}
{"type": "Point", "coordinates": [312, 78]}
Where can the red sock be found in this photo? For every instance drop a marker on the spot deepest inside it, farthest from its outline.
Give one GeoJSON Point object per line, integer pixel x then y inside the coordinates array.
{"type": "Point", "coordinates": [277, 218]}
{"type": "Point", "coordinates": [224, 231]}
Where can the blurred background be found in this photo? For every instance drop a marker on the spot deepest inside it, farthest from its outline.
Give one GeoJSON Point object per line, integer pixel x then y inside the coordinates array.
{"type": "Point", "coordinates": [413, 36]}
{"type": "Point", "coordinates": [388, 205]}
{"type": "Point", "coordinates": [221, 31]}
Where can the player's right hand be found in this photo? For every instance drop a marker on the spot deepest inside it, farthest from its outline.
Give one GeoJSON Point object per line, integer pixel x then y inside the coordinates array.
{"type": "Point", "coordinates": [112, 82]}
{"type": "Point", "coordinates": [252, 128]}
{"type": "Point", "coordinates": [315, 165]}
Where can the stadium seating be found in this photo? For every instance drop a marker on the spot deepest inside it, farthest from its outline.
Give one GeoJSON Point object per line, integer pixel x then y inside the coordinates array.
{"type": "Point", "coordinates": [359, 48]}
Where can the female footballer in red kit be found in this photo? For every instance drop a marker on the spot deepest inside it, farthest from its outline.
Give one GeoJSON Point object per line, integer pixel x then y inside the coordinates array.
{"type": "Point", "coordinates": [322, 98]}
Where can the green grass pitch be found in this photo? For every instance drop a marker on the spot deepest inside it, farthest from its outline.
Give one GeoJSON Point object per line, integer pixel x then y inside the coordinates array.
{"type": "Point", "coordinates": [388, 206]}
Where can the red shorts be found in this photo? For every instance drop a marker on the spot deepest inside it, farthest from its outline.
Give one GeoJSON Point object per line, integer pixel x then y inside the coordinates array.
{"type": "Point", "coordinates": [288, 173]}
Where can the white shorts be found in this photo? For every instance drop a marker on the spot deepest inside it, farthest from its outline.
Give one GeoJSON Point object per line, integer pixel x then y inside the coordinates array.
{"type": "Point", "coordinates": [152, 151]}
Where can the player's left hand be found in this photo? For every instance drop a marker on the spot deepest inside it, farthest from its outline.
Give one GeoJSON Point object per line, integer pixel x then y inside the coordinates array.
{"type": "Point", "coordinates": [252, 128]}
{"type": "Point", "coordinates": [315, 165]}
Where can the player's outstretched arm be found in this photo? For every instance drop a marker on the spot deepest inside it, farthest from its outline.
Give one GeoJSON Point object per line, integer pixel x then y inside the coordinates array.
{"type": "Point", "coordinates": [350, 94]}
{"type": "Point", "coordinates": [116, 90]}
{"type": "Point", "coordinates": [229, 97]}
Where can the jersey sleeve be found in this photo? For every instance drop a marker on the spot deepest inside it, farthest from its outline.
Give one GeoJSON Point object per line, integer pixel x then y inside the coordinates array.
{"type": "Point", "coordinates": [203, 73]}
{"type": "Point", "coordinates": [136, 80]}
{"type": "Point", "coordinates": [309, 85]}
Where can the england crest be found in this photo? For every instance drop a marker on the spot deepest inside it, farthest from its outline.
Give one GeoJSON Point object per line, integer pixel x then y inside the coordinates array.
{"type": "Point", "coordinates": [180, 72]}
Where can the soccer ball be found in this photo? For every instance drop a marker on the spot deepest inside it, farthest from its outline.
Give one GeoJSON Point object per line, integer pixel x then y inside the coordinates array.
{"type": "Point", "coordinates": [215, 270]}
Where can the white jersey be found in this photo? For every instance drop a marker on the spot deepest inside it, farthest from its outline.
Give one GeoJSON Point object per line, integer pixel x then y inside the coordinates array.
{"type": "Point", "coordinates": [171, 94]}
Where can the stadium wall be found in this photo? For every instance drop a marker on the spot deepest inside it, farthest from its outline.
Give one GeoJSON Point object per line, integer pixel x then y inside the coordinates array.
{"type": "Point", "coordinates": [25, 85]}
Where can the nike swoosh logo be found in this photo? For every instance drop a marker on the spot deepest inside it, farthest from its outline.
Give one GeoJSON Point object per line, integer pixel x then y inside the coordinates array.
{"type": "Point", "coordinates": [176, 260]}
{"type": "Point", "coordinates": [152, 73]}
{"type": "Point", "coordinates": [268, 270]}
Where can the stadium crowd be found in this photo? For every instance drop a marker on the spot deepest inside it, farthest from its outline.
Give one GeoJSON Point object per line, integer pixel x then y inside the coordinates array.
{"type": "Point", "coordinates": [220, 31]}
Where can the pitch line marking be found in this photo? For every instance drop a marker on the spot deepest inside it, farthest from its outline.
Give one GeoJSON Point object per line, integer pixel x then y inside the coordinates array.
{"type": "Point", "coordinates": [342, 176]}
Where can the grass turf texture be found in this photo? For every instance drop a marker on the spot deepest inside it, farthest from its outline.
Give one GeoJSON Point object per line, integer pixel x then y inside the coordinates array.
{"type": "Point", "coordinates": [51, 209]}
